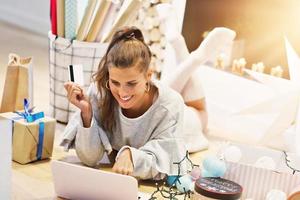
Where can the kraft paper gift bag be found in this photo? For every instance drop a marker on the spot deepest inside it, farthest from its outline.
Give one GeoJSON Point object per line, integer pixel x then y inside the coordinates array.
{"type": "Point", "coordinates": [18, 83]}
{"type": "Point", "coordinates": [31, 141]}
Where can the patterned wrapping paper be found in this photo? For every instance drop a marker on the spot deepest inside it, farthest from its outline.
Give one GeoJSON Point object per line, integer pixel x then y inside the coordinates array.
{"type": "Point", "coordinates": [62, 53]}
{"type": "Point", "coordinates": [257, 181]}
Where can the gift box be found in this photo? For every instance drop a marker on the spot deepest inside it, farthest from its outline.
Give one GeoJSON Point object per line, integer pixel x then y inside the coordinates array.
{"type": "Point", "coordinates": [31, 141]}
{"type": "Point", "coordinates": [258, 178]}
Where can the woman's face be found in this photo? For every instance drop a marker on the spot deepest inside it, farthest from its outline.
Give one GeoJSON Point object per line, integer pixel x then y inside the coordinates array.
{"type": "Point", "coordinates": [128, 86]}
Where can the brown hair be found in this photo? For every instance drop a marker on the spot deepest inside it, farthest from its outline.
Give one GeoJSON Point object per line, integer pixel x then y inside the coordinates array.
{"type": "Point", "coordinates": [127, 49]}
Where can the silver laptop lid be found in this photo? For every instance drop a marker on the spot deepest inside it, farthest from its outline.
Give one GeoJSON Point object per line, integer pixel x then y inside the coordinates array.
{"type": "Point", "coordinates": [73, 181]}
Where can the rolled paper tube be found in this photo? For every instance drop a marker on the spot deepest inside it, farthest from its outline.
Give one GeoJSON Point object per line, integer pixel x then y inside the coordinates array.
{"type": "Point", "coordinates": [99, 20]}
{"type": "Point", "coordinates": [70, 19]}
{"type": "Point", "coordinates": [84, 25]}
{"type": "Point", "coordinates": [109, 19]}
{"type": "Point", "coordinates": [128, 10]}
{"type": "Point", "coordinates": [53, 16]}
{"type": "Point", "coordinates": [61, 18]}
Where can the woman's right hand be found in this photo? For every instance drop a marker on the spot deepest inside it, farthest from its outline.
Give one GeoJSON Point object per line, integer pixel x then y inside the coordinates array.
{"type": "Point", "coordinates": [77, 97]}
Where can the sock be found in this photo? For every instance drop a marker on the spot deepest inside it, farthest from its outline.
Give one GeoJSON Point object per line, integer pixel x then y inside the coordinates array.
{"type": "Point", "coordinates": [211, 46]}
{"type": "Point", "coordinates": [168, 18]}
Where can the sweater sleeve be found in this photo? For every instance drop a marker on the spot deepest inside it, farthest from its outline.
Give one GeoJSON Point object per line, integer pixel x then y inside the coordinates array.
{"type": "Point", "coordinates": [89, 143]}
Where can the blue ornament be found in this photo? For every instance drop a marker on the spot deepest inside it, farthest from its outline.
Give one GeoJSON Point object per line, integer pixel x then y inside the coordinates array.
{"type": "Point", "coordinates": [214, 167]}
{"type": "Point", "coordinates": [171, 180]}
{"type": "Point", "coordinates": [205, 173]}
{"type": "Point", "coordinates": [185, 183]}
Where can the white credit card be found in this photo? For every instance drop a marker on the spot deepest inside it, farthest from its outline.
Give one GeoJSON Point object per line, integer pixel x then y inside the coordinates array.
{"type": "Point", "coordinates": [76, 74]}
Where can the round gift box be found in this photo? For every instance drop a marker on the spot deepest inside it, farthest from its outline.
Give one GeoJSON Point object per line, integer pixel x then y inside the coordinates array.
{"type": "Point", "coordinates": [216, 188]}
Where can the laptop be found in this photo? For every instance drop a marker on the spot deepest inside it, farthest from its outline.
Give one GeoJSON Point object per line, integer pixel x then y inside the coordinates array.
{"type": "Point", "coordinates": [72, 181]}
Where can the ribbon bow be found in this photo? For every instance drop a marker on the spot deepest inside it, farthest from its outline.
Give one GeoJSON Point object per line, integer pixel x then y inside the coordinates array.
{"type": "Point", "coordinates": [15, 59]}
{"type": "Point", "coordinates": [27, 114]}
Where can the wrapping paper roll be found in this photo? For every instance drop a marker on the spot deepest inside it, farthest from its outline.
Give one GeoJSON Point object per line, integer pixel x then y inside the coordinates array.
{"type": "Point", "coordinates": [99, 20]}
{"type": "Point", "coordinates": [70, 19]}
{"type": "Point", "coordinates": [53, 16]}
{"type": "Point", "coordinates": [128, 10]}
{"type": "Point", "coordinates": [86, 21]}
{"type": "Point", "coordinates": [109, 19]}
{"type": "Point", "coordinates": [61, 18]}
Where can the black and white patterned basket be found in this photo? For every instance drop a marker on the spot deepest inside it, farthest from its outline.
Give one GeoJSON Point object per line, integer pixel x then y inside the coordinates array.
{"type": "Point", "coordinates": [62, 53]}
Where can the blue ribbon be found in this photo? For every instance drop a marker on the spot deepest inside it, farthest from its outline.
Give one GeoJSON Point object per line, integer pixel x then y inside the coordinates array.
{"type": "Point", "coordinates": [27, 114]}
{"type": "Point", "coordinates": [41, 141]}
{"type": "Point", "coordinates": [29, 117]}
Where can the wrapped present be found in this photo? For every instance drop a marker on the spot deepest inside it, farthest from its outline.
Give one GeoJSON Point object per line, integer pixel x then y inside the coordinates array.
{"type": "Point", "coordinates": [33, 136]}
{"type": "Point", "coordinates": [260, 170]}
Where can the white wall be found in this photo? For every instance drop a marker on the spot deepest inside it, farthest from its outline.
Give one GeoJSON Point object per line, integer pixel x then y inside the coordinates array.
{"type": "Point", "coordinates": [33, 15]}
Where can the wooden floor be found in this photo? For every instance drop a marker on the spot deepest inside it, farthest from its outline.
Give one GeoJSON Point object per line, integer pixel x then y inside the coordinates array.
{"type": "Point", "coordinates": [34, 181]}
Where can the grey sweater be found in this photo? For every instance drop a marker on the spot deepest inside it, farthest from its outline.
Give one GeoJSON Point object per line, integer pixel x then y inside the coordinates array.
{"type": "Point", "coordinates": [155, 139]}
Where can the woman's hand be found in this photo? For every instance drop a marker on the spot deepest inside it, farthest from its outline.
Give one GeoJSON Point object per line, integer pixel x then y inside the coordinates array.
{"type": "Point", "coordinates": [80, 100]}
{"type": "Point", "coordinates": [124, 163]}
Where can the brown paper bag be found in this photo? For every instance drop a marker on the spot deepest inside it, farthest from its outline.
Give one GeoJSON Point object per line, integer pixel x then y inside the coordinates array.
{"type": "Point", "coordinates": [26, 137]}
{"type": "Point", "coordinates": [18, 84]}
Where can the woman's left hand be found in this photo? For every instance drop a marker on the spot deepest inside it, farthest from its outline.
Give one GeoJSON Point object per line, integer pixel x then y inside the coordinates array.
{"type": "Point", "coordinates": [124, 163]}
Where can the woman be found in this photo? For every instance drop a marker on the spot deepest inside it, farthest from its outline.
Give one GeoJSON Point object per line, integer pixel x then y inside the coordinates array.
{"type": "Point", "coordinates": [125, 111]}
